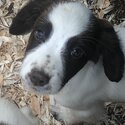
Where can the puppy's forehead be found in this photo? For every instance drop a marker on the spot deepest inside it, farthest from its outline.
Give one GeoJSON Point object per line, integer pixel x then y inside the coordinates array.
{"type": "Point", "coordinates": [70, 18]}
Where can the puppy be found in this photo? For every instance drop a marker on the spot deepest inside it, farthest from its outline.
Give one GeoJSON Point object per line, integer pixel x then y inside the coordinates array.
{"type": "Point", "coordinates": [73, 56]}
{"type": "Point", "coordinates": [10, 114]}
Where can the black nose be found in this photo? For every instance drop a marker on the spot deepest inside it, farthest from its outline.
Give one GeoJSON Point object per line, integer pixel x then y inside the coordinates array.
{"type": "Point", "coordinates": [38, 78]}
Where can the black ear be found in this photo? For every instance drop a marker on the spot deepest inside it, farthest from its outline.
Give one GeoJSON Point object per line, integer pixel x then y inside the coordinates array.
{"type": "Point", "coordinates": [25, 19]}
{"type": "Point", "coordinates": [113, 57]}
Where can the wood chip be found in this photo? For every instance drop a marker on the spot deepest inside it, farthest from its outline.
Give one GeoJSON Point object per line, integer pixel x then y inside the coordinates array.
{"type": "Point", "coordinates": [35, 104]}
{"type": "Point", "coordinates": [1, 80]}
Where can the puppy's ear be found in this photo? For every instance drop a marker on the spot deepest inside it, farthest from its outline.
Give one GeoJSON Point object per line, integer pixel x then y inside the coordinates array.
{"type": "Point", "coordinates": [113, 57]}
{"type": "Point", "coordinates": [25, 19]}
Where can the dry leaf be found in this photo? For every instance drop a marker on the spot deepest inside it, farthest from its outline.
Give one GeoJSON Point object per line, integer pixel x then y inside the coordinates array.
{"type": "Point", "coordinates": [46, 98]}
{"type": "Point", "coordinates": [103, 4]}
{"type": "Point", "coordinates": [2, 33]}
{"type": "Point", "coordinates": [100, 4]}
{"type": "Point", "coordinates": [35, 104]}
{"type": "Point", "coordinates": [1, 80]}
{"type": "Point", "coordinates": [106, 3]}
{"type": "Point", "coordinates": [101, 14]}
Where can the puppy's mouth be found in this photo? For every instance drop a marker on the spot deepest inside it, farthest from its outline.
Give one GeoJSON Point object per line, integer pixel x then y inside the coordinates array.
{"type": "Point", "coordinates": [46, 89]}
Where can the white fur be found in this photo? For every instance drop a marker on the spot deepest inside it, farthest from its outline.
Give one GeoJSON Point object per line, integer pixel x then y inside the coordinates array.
{"type": "Point", "coordinates": [121, 33]}
{"type": "Point", "coordinates": [11, 115]}
{"type": "Point", "coordinates": [68, 20]}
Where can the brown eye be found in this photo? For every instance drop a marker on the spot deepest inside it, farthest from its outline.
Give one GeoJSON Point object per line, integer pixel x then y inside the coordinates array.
{"type": "Point", "coordinates": [40, 36]}
{"type": "Point", "coordinates": [77, 52]}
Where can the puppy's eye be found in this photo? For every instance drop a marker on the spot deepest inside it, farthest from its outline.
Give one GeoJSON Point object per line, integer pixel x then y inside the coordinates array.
{"type": "Point", "coordinates": [39, 35]}
{"type": "Point", "coordinates": [77, 52]}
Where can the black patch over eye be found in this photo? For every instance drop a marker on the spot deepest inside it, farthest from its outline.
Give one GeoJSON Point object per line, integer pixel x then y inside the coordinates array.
{"type": "Point", "coordinates": [42, 32]}
{"type": "Point", "coordinates": [77, 52]}
{"type": "Point", "coordinates": [39, 35]}
{"type": "Point", "coordinates": [75, 56]}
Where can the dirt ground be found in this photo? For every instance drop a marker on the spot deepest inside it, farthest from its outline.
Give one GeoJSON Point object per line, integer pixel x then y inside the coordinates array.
{"type": "Point", "coordinates": [12, 51]}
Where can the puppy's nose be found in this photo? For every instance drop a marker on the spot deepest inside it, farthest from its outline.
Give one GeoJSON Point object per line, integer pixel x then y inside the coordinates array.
{"type": "Point", "coordinates": [38, 78]}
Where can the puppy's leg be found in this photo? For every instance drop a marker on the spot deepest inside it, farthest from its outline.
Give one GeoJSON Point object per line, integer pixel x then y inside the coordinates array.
{"type": "Point", "coordinates": [28, 113]}
{"type": "Point", "coordinates": [11, 114]}
{"type": "Point", "coordinates": [71, 116]}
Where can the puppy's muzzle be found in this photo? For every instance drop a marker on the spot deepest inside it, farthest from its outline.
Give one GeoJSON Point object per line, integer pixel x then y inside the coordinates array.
{"type": "Point", "coordinates": [38, 77]}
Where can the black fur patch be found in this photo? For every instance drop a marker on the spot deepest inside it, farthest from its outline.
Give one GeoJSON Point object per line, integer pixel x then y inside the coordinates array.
{"type": "Point", "coordinates": [113, 57]}
{"type": "Point", "coordinates": [41, 27]}
{"type": "Point", "coordinates": [25, 19]}
{"type": "Point", "coordinates": [100, 40]}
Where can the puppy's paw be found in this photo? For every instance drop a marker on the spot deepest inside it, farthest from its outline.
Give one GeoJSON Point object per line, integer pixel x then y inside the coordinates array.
{"type": "Point", "coordinates": [57, 114]}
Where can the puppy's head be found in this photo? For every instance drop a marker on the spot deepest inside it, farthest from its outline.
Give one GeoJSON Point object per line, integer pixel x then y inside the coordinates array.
{"type": "Point", "coordinates": [64, 38]}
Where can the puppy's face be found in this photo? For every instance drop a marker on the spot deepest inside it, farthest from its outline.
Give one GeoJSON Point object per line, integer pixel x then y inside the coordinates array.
{"type": "Point", "coordinates": [56, 51]}
{"type": "Point", "coordinates": [63, 40]}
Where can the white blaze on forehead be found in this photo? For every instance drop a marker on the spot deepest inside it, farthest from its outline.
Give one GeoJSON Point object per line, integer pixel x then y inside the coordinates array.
{"type": "Point", "coordinates": [70, 19]}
